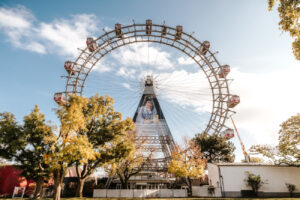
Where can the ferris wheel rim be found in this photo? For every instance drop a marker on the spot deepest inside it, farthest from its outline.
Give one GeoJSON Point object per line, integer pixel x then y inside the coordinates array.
{"type": "Point", "coordinates": [208, 63]}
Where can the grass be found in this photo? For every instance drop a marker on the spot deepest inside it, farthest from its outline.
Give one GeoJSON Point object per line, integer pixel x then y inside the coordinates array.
{"type": "Point", "coordinates": [165, 198]}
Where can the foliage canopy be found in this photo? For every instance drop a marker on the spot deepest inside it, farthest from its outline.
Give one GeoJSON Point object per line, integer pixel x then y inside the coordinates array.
{"type": "Point", "coordinates": [215, 148]}
{"type": "Point", "coordinates": [288, 149]}
{"type": "Point", "coordinates": [289, 13]}
{"type": "Point", "coordinates": [27, 144]}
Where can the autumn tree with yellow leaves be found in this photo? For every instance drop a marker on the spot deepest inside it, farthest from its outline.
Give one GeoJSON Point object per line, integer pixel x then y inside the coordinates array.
{"type": "Point", "coordinates": [104, 128]}
{"type": "Point", "coordinates": [187, 163]}
{"type": "Point", "coordinates": [70, 146]}
{"type": "Point", "coordinates": [124, 166]}
{"type": "Point", "coordinates": [289, 14]}
{"type": "Point", "coordinates": [90, 128]}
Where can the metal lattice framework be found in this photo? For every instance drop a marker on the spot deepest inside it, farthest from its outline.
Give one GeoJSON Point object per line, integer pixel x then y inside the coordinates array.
{"type": "Point", "coordinates": [165, 35]}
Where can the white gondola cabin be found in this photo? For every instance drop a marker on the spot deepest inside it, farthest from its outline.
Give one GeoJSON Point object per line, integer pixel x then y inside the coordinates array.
{"type": "Point", "coordinates": [204, 47]}
{"type": "Point", "coordinates": [228, 133]}
{"type": "Point", "coordinates": [91, 44]}
{"type": "Point", "coordinates": [233, 101]}
{"type": "Point", "coordinates": [148, 26]}
{"type": "Point", "coordinates": [178, 32]}
{"type": "Point", "coordinates": [225, 69]}
{"type": "Point", "coordinates": [60, 98]}
{"type": "Point", "coordinates": [69, 67]}
{"type": "Point", "coordinates": [118, 30]}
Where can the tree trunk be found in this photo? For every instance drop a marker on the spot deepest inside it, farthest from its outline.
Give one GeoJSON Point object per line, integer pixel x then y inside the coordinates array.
{"type": "Point", "coordinates": [189, 184]}
{"type": "Point", "coordinates": [126, 183]}
{"type": "Point", "coordinates": [38, 188]}
{"type": "Point", "coordinates": [123, 184]}
{"type": "Point", "coordinates": [58, 179]}
{"type": "Point", "coordinates": [80, 185]}
{"type": "Point", "coordinates": [57, 192]}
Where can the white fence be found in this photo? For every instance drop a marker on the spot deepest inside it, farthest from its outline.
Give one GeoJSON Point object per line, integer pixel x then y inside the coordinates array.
{"type": "Point", "coordinates": [202, 191]}
{"type": "Point", "coordinates": [111, 193]}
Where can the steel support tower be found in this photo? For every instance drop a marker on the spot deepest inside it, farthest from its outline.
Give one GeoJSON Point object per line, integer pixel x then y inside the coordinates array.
{"type": "Point", "coordinates": [152, 130]}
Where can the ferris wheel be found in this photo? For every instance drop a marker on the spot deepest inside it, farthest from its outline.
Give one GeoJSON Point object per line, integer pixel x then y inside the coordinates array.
{"type": "Point", "coordinates": [81, 76]}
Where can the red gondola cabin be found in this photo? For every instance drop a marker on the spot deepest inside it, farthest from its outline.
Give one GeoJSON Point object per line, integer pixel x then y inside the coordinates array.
{"type": "Point", "coordinates": [228, 133]}
{"type": "Point", "coordinates": [233, 101]}
{"type": "Point", "coordinates": [225, 69]}
{"type": "Point", "coordinates": [60, 98]}
{"type": "Point", "coordinates": [91, 44]}
{"type": "Point", "coordinates": [204, 47]}
{"type": "Point", "coordinates": [69, 67]}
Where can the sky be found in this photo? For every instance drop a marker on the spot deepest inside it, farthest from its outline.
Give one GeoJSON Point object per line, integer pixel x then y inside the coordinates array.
{"type": "Point", "coordinates": [36, 37]}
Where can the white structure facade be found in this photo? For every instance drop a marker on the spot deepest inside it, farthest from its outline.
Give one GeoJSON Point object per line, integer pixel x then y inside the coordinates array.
{"type": "Point", "coordinates": [143, 193]}
{"type": "Point", "coordinates": [230, 178]}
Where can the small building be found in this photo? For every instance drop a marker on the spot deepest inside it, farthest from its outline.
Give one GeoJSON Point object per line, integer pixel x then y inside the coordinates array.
{"type": "Point", "coordinates": [230, 178]}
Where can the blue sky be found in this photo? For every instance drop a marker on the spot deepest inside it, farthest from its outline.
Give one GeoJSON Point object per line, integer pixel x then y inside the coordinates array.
{"type": "Point", "coordinates": [36, 37]}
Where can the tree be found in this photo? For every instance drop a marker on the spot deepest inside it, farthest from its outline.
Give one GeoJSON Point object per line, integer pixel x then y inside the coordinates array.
{"type": "Point", "coordinates": [187, 163]}
{"type": "Point", "coordinates": [26, 144]}
{"type": "Point", "coordinates": [291, 188]}
{"type": "Point", "coordinates": [289, 13]}
{"type": "Point", "coordinates": [287, 151]}
{"type": "Point", "coordinates": [215, 148]}
{"type": "Point", "coordinates": [70, 146]}
{"type": "Point", "coordinates": [254, 181]}
{"type": "Point", "coordinates": [128, 160]}
{"type": "Point", "coordinates": [104, 127]}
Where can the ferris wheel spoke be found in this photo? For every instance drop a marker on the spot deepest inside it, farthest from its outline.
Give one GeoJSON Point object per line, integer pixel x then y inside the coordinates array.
{"type": "Point", "coordinates": [177, 116]}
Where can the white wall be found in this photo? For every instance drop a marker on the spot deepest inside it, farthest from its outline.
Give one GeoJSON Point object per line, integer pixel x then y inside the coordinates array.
{"type": "Point", "coordinates": [234, 177]}
{"type": "Point", "coordinates": [213, 175]}
{"type": "Point", "coordinates": [202, 191]}
{"type": "Point", "coordinates": [140, 193]}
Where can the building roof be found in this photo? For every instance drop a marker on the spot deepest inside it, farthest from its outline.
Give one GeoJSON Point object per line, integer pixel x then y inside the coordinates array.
{"type": "Point", "coordinates": [253, 164]}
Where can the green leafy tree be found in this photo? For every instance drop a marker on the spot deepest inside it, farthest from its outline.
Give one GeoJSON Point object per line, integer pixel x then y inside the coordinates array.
{"type": "Point", "coordinates": [215, 148]}
{"type": "Point", "coordinates": [104, 127]}
{"type": "Point", "coordinates": [187, 163]}
{"type": "Point", "coordinates": [254, 181]}
{"type": "Point", "coordinates": [288, 149]}
{"type": "Point", "coordinates": [289, 13]}
{"type": "Point", "coordinates": [26, 145]}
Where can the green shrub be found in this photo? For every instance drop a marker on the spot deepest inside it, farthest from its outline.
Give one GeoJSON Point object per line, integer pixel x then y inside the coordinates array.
{"type": "Point", "coordinates": [291, 188]}
{"type": "Point", "coordinates": [254, 181]}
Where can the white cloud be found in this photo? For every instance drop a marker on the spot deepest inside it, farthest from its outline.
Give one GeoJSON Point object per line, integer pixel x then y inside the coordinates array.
{"type": "Point", "coordinates": [67, 35]}
{"type": "Point", "coordinates": [60, 36]}
{"type": "Point", "coordinates": [102, 66]}
{"type": "Point", "coordinates": [185, 89]}
{"type": "Point", "coordinates": [140, 54]}
{"type": "Point", "coordinates": [17, 24]}
{"type": "Point", "coordinates": [16, 18]}
{"type": "Point", "coordinates": [128, 73]}
{"type": "Point", "coordinates": [126, 85]}
{"type": "Point", "coordinates": [185, 61]}
{"type": "Point", "coordinates": [267, 100]}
